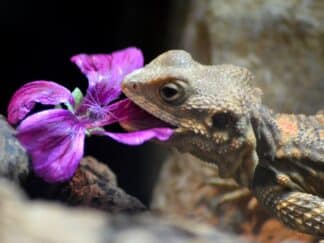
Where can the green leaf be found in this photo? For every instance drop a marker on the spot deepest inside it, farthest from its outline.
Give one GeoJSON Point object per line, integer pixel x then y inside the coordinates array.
{"type": "Point", "coordinates": [78, 96]}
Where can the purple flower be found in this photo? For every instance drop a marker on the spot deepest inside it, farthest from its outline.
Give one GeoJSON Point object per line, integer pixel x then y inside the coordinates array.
{"type": "Point", "coordinates": [54, 138]}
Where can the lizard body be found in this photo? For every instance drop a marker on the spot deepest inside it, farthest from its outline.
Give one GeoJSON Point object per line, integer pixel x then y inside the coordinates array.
{"type": "Point", "coordinates": [218, 116]}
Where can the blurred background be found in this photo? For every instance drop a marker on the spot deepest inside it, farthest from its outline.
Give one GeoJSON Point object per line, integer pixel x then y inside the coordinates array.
{"type": "Point", "coordinates": [280, 41]}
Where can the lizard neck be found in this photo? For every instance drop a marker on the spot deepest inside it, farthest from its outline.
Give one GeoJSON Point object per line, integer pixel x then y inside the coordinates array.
{"type": "Point", "coordinates": [266, 131]}
{"type": "Point", "coordinates": [266, 135]}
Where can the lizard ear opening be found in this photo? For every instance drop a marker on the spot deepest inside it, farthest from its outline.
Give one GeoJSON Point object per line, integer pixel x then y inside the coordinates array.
{"type": "Point", "coordinates": [222, 121]}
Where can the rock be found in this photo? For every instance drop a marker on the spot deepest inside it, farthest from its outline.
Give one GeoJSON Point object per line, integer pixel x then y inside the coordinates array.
{"type": "Point", "coordinates": [14, 162]}
{"type": "Point", "coordinates": [38, 222]}
{"type": "Point", "coordinates": [149, 229]}
{"type": "Point", "coordinates": [29, 222]}
{"type": "Point", "coordinates": [281, 42]}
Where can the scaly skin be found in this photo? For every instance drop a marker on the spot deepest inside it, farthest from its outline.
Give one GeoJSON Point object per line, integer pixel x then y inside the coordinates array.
{"type": "Point", "coordinates": [218, 116]}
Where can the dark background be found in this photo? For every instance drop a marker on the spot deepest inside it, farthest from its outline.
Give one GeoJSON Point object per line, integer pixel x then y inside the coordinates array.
{"type": "Point", "coordinates": [39, 37]}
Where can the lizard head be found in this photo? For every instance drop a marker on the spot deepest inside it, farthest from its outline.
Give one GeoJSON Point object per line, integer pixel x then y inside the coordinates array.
{"type": "Point", "coordinates": [209, 106]}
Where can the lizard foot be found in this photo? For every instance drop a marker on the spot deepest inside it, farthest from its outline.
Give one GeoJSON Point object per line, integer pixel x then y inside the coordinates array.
{"type": "Point", "coordinates": [229, 197]}
{"type": "Point", "coordinates": [230, 192]}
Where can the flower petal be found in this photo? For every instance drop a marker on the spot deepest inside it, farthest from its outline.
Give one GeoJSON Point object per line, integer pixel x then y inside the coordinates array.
{"type": "Point", "coordinates": [44, 92]}
{"type": "Point", "coordinates": [106, 71]}
{"type": "Point", "coordinates": [55, 140]}
{"type": "Point", "coordinates": [138, 137]}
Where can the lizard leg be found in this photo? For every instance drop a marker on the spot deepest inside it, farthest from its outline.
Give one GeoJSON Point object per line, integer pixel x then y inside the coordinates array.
{"type": "Point", "coordinates": [299, 210]}
{"type": "Point", "coordinates": [223, 183]}
{"type": "Point", "coordinates": [228, 197]}
{"type": "Point", "coordinates": [234, 191]}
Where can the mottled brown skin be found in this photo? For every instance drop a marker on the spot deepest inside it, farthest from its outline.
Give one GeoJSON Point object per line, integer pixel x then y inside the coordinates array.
{"type": "Point", "coordinates": [218, 116]}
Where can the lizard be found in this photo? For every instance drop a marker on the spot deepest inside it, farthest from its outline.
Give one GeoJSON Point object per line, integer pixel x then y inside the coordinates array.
{"type": "Point", "coordinates": [217, 115]}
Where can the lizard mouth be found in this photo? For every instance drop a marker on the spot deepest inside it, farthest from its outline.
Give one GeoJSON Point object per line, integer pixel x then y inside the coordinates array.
{"type": "Point", "coordinates": [139, 119]}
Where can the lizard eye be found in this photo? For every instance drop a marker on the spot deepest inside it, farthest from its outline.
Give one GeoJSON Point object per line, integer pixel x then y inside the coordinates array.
{"type": "Point", "coordinates": [173, 92]}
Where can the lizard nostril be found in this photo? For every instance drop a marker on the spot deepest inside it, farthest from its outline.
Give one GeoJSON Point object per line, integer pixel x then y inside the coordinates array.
{"type": "Point", "coordinates": [134, 86]}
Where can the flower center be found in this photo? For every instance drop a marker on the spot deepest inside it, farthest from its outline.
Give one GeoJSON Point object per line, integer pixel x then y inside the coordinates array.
{"type": "Point", "coordinates": [96, 113]}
